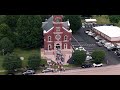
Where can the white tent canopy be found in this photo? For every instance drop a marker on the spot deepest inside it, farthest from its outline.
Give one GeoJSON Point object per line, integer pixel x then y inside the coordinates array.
{"type": "Point", "coordinates": [90, 20]}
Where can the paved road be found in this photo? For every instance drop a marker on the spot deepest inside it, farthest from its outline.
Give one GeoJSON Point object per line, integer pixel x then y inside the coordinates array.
{"type": "Point", "coordinates": [107, 70]}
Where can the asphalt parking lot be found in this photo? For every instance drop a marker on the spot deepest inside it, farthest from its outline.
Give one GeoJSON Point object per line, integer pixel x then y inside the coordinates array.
{"type": "Point", "coordinates": [89, 44]}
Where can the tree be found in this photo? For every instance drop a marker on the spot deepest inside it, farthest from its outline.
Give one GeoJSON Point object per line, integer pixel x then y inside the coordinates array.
{"type": "Point", "coordinates": [11, 21]}
{"type": "Point", "coordinates": [34, 61]}
{"type": "Point", "coordinates": [11, 62]}
{"type": "Point", "coordinates": [98, 56]}
{"type": "Point", "coordinates": [5, 31]}
{"type": "Point", "coordinates": [29, 31]}
{"type": "Point", "coordinates": [43, 17]}
{"type": "Point", "coordinates": [78, 57]}
{"type": "Point", "coordinates": [2, 19]}
{"type": "Point", "coordinates": [6, 46]}
{"type": "Point", "coordinates": [114, 18]}
{"type": "Point", "coordinates": [75, 22]}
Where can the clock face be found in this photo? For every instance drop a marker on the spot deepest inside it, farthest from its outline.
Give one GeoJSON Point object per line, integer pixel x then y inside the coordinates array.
{"type": "Point", "coordinates": [57, 36]}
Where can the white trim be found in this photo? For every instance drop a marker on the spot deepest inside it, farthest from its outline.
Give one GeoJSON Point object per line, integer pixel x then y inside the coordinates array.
{"type": "Point", "coordinates": [65, 29]}
{"type": "Point", "coordinates": [66, 41]}
{"type": "Point", "coordinates": [49, 30]}
{"type": "Point", "coordinates": [49, 41]}
{"type": "Point", "coordinates": [68, 23]}
{"type": "Point", "coordinates": [57, 32]}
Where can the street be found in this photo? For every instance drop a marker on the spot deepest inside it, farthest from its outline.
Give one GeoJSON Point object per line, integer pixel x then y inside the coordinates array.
{"type": "Point", "coordinates": [106, 70]}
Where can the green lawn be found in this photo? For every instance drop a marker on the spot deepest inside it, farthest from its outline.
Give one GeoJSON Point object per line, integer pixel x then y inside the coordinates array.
{"type": "Point", "coordinates": [21, 53]}
{"type": "Point", "coordinates": [26, 54]}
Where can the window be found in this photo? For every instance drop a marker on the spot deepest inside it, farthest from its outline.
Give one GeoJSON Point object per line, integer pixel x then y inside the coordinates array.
{"type": "Point", "coordinates": [65, 46]}
{"type": "Point", "coordinates": [65, 37]}
{"type": "Point", "coordinates": [49, 46]}
{"type": "Point", "coordinates": [57, 19]}
{"type": "Point", "coordinates": [57, 29]}
{"type": "Point", "coordinates": [49, 38]}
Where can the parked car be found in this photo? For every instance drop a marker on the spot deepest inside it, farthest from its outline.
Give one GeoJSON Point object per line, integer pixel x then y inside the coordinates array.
{"type": "Point", "coordinates": [10, 74]}
{"type": "Point", "coordinates": [97, 38]}
{"type": "Point", "coordinates": [90, 33]}
{"type": "Point", "coordinates": [87, 31]}
{"type": "Point", "coordinates": [81, 49]}
{"type": "Point", "coordinates": [28, 72]}
{"type": "Point", "coordinates": [97, 65]}
{"type": "Point", "coordinates": [99, 44]}
{"type": "Point", "coordinates": [103, 41]}
{"type": "Point", "coordinates": [88, 58]}
{"type": "Point", "coordinates": [93, 35]}
{"type": "Point", "coordinates": [86, 65]}
{"type": "Point", "coordinates": [48, 70]}
{"type": "Point", "coordinates": [117, 52]}
{"type": "Point", "coordinates": [107, 44]}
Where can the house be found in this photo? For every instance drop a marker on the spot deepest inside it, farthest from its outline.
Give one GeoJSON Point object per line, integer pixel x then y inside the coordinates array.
{"type": "Point", "coordinates": [57, 39]}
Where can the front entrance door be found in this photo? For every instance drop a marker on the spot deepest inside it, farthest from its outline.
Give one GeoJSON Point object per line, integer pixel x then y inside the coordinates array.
{"type": "Point", "coordinates": [57, 46]}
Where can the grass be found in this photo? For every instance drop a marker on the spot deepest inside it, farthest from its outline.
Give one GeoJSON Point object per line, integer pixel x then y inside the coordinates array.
{"type": "Point", "coordinates": [21, 53]}
{"type": "Point", "coordinates": [69, 65]}
{"type": "Point", "coordinates": [26, 54]}
{"type": "Point", "coordinates": [103, 19]}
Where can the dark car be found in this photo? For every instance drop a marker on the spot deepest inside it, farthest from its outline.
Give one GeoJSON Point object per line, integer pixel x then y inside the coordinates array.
{"type": "Point", "coordinates": [10, 74]}
{"type": "Point", "coordinates": [117, 52]}
{"type": "Point", "coordinates": [113, 49]}
{"type": "Point", "coordinates": [86, 65]}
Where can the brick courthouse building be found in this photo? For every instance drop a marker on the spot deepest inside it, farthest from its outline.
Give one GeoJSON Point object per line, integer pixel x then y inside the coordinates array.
{"type": "Point", "coordinates": [57, 39]}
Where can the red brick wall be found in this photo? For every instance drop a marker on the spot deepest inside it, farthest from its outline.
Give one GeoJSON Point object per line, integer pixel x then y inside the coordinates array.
{"type": "Point", "coordinates": [50, 33]}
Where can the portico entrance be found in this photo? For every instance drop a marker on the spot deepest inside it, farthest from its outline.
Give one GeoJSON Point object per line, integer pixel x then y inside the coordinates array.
{"type": "Point", "coordinates": [57, 46]}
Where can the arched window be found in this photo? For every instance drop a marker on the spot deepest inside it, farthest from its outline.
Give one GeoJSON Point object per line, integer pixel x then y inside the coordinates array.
{"type": "Point", "coordinates": [65, 37]}
{"type": "Point", "coordinates": [49, 38]}
{"type": "Point", "coordinates": [65, 46]}
{"type": "Point", "coordinates": [49, 47]}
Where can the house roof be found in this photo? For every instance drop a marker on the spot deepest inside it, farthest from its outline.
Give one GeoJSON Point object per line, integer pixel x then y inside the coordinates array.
{"type": "Point", "coordinates": [111, 31]}
{"type": "Point", "coordinates": [49, 24]}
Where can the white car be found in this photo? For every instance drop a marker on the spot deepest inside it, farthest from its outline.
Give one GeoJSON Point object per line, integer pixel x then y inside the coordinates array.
{"type": "Point", "coordinates": [29, 72]}
{"type": "Point", "coordinates": [87, 31]}
{"type": "Point", "coordinates": [90, 33]}
{"type": "Point", "coordinates": [81, 49]}
{"type": "Point", "coordinates": [48, 70]}
{"type": "Point", "coordinates": [88, 57]}
{"type": "Point", "coordinates": [97, 65]}
{"type": "Point", "coordinates": [97, 37]}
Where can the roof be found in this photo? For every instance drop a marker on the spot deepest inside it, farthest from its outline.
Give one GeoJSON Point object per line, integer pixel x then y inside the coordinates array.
{"type": "Point", "coordinates": [90, 20]}
{"type": "Point", "coordinates": [111, 31]}
{"type": "Point", "coordinates": [47, 25]}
